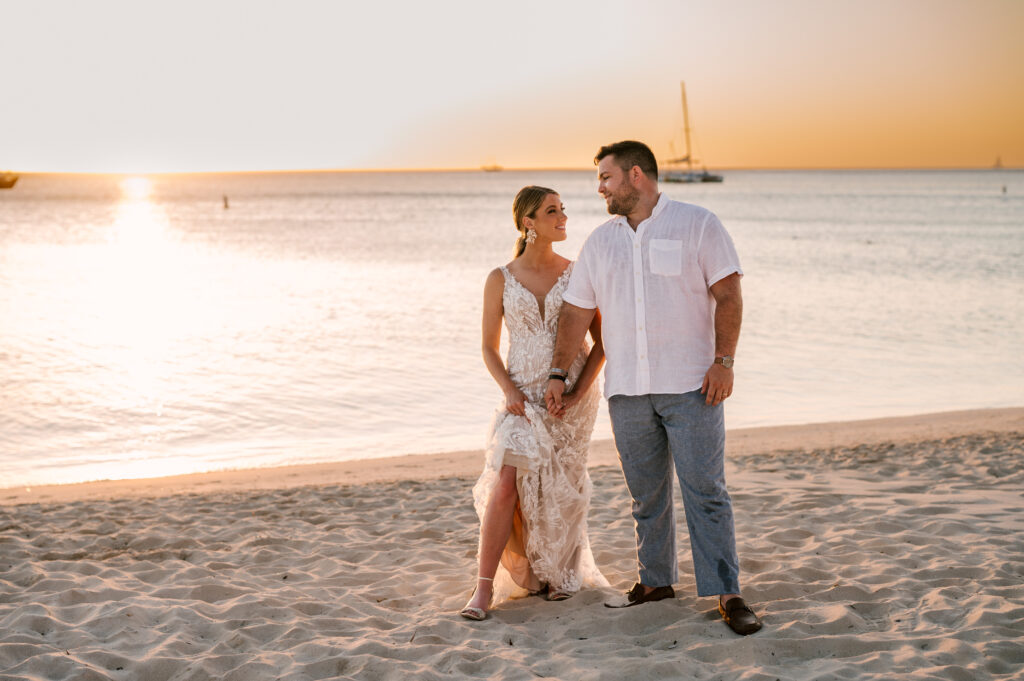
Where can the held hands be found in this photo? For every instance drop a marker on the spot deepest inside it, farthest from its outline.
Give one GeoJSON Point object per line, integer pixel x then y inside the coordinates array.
{"type": "Point", "coordinates": [717, 385]}
{"type": "Point", "coordinates": [555, 398]}
{"type": "Point", "coordinates": [558, 401]}
{"type": "Point", "coordinates": [569, 400]}
{"type": "Point", "coordinates": [515, 401]}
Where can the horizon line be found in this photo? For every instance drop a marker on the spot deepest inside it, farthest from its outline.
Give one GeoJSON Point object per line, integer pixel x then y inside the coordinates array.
{"type": "Point", "coordinates": [479, 169]}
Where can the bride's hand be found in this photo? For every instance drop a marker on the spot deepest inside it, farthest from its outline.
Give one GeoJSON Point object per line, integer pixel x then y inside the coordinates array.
{"type": "Point", "coordinates": [515, 402]}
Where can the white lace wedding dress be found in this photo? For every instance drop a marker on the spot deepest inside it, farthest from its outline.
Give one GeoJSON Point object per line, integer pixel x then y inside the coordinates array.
{"type": "Point", "coordinates": [549, 543]}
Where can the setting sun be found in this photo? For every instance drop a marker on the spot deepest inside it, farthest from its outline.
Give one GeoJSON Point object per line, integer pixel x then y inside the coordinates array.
{"type": "Point", "coordinates": [136, 188]}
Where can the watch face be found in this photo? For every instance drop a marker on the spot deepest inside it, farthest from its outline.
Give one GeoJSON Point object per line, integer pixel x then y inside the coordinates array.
{"type": "Point", "coordinates": [726, 362]}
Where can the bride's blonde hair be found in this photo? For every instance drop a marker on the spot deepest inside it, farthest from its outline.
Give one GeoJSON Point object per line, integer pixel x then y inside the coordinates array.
{"type": "Point", "coordinates": [525, 205]}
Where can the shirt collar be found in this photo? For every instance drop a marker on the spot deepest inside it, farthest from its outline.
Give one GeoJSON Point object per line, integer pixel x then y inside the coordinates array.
{"type": "Point", "coordinates": [660, 205]}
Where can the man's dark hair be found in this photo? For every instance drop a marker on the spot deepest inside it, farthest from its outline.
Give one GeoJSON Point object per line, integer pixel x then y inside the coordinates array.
{"type": "Point", "coordinates": [628, 154]}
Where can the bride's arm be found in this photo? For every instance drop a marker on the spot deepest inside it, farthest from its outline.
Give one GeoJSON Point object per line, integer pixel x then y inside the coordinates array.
{"type": "Point", "coordinates": [491, 343]}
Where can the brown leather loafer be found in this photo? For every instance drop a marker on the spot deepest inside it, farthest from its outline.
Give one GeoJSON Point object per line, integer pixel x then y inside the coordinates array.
{"type": "Point", "coordinates": [636, 596]}
{"type": "Point", "coordinates": [739, 616]}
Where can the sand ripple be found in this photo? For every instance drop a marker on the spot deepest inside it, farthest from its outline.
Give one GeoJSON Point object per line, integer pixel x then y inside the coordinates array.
{"type": "Point", "coordinates": [894, 561]}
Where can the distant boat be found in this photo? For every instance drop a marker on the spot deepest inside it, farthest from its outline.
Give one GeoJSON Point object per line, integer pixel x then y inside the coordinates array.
{"type": "Point", "coordinates": [686, 174]}
{"type": "Point", "coordinates": [7, 180]}
{"type": "Point", "coordinates": [491, 168]}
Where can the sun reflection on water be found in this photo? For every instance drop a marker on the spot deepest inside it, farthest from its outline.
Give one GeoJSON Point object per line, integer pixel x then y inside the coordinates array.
{"type": "Point", "coordinates": [136, 304]}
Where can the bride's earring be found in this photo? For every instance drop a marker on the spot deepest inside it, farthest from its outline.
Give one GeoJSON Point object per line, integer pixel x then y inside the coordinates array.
{"type": "Point", "coordinates": [531, 235]}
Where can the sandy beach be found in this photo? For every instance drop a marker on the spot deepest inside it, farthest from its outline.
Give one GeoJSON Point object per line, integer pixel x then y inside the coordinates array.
{"type": "Point", "coordinates": [882, 549]}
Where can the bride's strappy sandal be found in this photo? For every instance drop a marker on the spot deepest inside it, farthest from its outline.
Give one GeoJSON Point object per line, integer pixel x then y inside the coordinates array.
{"type": "Point", "coordinates": [477, 614]}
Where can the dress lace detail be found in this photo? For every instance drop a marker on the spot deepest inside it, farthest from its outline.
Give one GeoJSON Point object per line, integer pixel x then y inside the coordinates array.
{"type": "Point", "coordinates": [549, 543]}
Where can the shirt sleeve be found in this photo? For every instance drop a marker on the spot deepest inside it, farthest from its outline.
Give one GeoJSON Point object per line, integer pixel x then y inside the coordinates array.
{"type": "Point", "coordinates": [580, 291]}
{"type": "Point", "coordinates": [717, 254]}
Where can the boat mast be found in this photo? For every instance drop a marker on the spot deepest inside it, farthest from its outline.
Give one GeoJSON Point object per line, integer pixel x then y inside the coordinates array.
{"type": "Point", "coordinates": [686, 127]}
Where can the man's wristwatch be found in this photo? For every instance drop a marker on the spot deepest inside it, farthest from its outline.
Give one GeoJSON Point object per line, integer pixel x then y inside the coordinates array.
{"type": "Point", "coordinates": [727, 361]}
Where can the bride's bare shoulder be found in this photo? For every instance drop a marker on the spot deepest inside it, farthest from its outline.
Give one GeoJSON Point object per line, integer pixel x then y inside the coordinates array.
{"type": "Point", "coordinates": [496, 274]}
{"type": "Point", "coordinates": [495, 279]}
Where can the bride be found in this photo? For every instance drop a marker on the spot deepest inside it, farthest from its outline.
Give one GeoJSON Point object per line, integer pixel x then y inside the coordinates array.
{"type": "Point", "coordinates": [534, 492]}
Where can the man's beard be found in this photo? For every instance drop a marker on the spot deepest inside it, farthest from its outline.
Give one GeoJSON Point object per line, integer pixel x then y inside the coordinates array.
{"type": "Point", "coordinates": [625, 202]}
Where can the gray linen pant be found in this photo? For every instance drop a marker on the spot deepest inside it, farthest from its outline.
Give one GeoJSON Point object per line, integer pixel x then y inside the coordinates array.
{"type": "Point", "coordinates": [653, 432]}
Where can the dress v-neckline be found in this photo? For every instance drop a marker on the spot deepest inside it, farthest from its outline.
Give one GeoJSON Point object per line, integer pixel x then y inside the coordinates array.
{"type": "Point", "coordinates": [542, 303]}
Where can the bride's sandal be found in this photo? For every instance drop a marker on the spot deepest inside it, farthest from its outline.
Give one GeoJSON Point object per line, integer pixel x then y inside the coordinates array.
{"type": "Point", "coordinates": [556, 595]}
{"type": "Point", "coordinates": [476, 614]}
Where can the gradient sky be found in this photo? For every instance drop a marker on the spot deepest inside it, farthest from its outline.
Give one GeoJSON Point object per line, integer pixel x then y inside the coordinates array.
{"type": "Point", "coordinates": [140, 86]}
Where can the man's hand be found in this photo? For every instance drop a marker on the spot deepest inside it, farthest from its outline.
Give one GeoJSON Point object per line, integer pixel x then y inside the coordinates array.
{"type": "Point", "coordinates": [717, 384]}
{"type": "Point", "coordinates": [553, 397]}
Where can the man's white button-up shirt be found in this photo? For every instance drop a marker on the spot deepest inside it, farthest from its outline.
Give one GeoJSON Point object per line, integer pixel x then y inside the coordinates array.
{"type": "Point", "coordinates": [653, 289]}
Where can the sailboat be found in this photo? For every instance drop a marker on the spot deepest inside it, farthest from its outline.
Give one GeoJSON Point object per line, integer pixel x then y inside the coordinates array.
{"type": "Point", "coordinates": [687, 174]}
{"type": "Point", "coordinates": [7, 180]}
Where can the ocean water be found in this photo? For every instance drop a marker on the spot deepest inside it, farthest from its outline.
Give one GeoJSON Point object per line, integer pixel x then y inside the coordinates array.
{"type": "Point", "coordinates": [145, 329]}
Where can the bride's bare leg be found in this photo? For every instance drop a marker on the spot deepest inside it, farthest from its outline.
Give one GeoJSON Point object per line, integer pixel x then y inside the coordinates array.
{"type": "Point", "coordinates": [494, 532]}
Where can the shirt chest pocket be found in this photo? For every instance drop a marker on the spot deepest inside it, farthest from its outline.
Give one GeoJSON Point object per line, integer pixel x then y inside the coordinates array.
{"type": "Point", "coordinates": [666, 257]}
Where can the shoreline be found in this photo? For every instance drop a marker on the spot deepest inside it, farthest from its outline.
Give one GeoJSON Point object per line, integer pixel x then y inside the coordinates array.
{"type": "Point", "coordinates": [466, 463]}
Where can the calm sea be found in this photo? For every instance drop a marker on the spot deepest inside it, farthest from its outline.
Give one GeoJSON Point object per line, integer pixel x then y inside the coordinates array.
{"type": "Point", "coordinates": [145, 329]}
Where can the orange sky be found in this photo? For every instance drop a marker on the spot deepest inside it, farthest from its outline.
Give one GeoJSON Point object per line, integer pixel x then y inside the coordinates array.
{"type": "Point", "coordinates": [121, 86]}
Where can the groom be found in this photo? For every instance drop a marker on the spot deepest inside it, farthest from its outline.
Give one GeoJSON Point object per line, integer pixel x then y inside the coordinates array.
{"type": "Point", "coordinates": [666, 278]}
